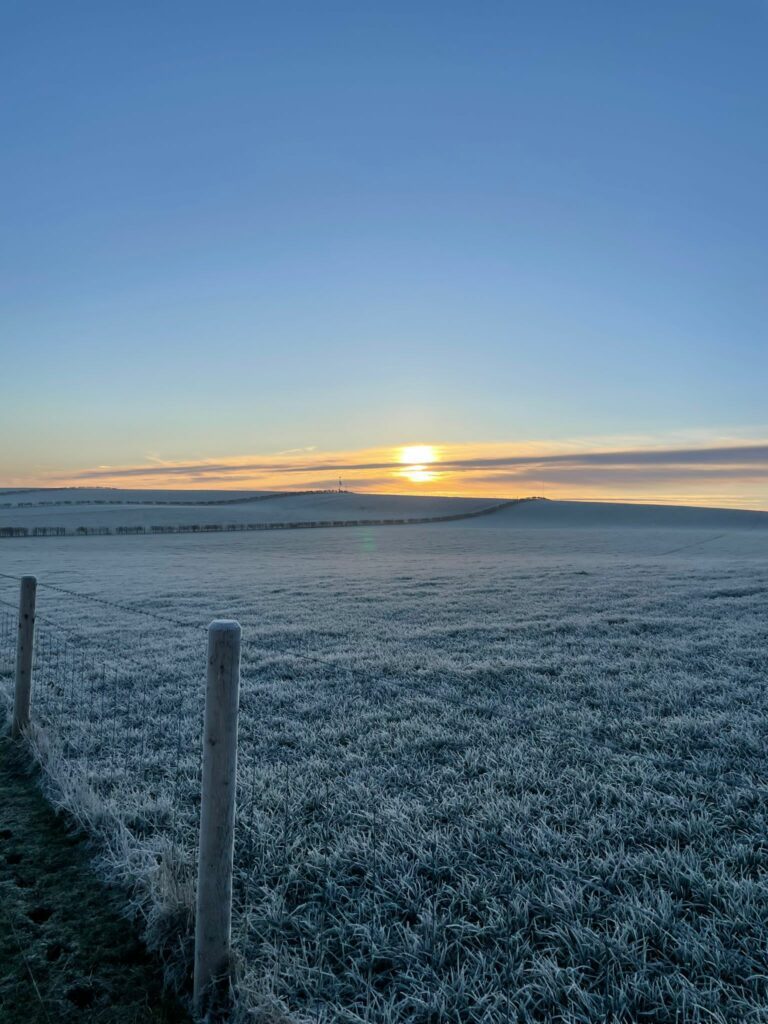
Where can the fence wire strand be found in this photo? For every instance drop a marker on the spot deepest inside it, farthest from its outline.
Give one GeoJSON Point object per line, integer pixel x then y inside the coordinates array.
{"type": "Point", "coordinates": [313, 909]}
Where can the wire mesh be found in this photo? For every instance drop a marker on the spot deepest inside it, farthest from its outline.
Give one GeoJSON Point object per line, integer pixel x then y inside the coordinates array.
{"type": "Point", "coordinates": [386, 873]}
{"type": "Point", "coordinates": [313, 903]}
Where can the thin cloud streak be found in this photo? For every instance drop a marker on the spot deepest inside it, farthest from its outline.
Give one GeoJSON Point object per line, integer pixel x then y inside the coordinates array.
{"type": "Point", "coordinates": [720, 472]}
{"type": "Point", "coordinates": [736, 456]}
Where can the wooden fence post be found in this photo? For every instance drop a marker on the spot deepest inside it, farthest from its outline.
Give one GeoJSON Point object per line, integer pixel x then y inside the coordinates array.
{"type": "Point", "coordinates": [24, 646]}
{"type": "Point", "coordinates": [213, 920]}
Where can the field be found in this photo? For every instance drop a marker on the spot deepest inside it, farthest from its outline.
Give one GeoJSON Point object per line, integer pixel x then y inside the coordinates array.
{"type": "Point", "coordinates": [507, 769]}
{"type": "Point", "coordinates": [124, 510]}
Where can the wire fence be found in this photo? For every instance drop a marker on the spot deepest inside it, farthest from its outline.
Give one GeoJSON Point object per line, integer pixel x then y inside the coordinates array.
{"type": "Point", "coordinates": [362, 891]}
{"type": "Point", "coordinates": [10, 531]}
{"type": "Point", "coordinates": [343, 902]}
{"type": "Point", "coordinates": [7, 639]}
{"type": "Point", "coordinates": [382, 873]}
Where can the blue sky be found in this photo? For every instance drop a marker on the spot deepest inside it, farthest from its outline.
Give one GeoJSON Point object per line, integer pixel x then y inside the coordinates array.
{"type": "Point", "coordinates": [246, 228]}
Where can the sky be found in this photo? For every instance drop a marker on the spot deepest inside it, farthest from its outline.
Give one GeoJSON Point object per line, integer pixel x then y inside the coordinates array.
{"type": "Point", "coordinates": [265, 244]}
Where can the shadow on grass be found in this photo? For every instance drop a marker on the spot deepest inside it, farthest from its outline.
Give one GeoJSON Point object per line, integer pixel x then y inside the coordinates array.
{"type": "Point", "coordinates": [66, 951]}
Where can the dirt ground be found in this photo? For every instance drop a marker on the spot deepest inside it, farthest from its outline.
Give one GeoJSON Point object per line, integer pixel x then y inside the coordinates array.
{"type": "Point", "coordinates": [66, 953]}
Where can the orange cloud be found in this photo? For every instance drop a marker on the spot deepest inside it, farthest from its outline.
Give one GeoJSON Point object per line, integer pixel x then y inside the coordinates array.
{"type": "Point", "coordinates": [722, 473]}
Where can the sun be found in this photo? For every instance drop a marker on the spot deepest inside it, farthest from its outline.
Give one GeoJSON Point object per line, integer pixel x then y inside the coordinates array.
{"type": "Point", "coordinates": [417, 459]}
{"type": "Point", "coordinates": [418, 454]}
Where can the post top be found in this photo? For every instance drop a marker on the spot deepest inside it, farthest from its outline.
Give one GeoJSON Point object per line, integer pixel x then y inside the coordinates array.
{"type": "Point", "coordinates": [224, 626]}
{"type": "Point", "coordinates": [28, 578]}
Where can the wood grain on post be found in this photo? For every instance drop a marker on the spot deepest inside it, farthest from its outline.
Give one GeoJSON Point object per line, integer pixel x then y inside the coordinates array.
{"type": "Point", "coordinates": [217, 815]}
{"type": "Point", "coordinates": [24, 646]}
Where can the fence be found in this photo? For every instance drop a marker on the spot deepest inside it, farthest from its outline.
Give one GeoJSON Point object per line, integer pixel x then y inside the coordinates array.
{"type": "Point", "coordinates": [241, 499]}
{"type": "Point", "coordinates": [95, 727]}
{"type": "Point", "coordinates": [9, 532]}
{"type": "Point", "coordinates": [362, 889]}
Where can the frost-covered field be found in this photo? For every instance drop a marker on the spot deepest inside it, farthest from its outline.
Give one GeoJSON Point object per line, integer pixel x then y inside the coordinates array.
{"type": "Point", "coordinates": [102, 508]}
{"type": "Point", "coordinates": [509, 769]}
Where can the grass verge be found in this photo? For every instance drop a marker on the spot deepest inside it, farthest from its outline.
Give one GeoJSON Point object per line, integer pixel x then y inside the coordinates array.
{"type": "Point", "coordinates": [66, 951]}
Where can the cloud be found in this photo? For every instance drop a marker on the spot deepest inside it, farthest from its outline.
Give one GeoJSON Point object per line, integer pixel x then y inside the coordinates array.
{"type": "Point", "coordinates": [733, 456]}
{"type": "Point", "coordinates": [574, 469]}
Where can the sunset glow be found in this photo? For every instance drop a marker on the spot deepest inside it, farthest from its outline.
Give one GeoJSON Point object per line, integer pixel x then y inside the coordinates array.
{"type": "Point", "coordinates": [418, 458]}
{"type": "Point", "coordinates": [678, 469]}
{"type": "Point", "coordinates": [430, 258]}
{"type": "Point", "coordinates": [419, 475]}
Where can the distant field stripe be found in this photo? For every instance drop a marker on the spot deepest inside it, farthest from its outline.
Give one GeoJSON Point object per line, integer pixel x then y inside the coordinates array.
{"type": "Point", "coordinates": [26, 532]}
